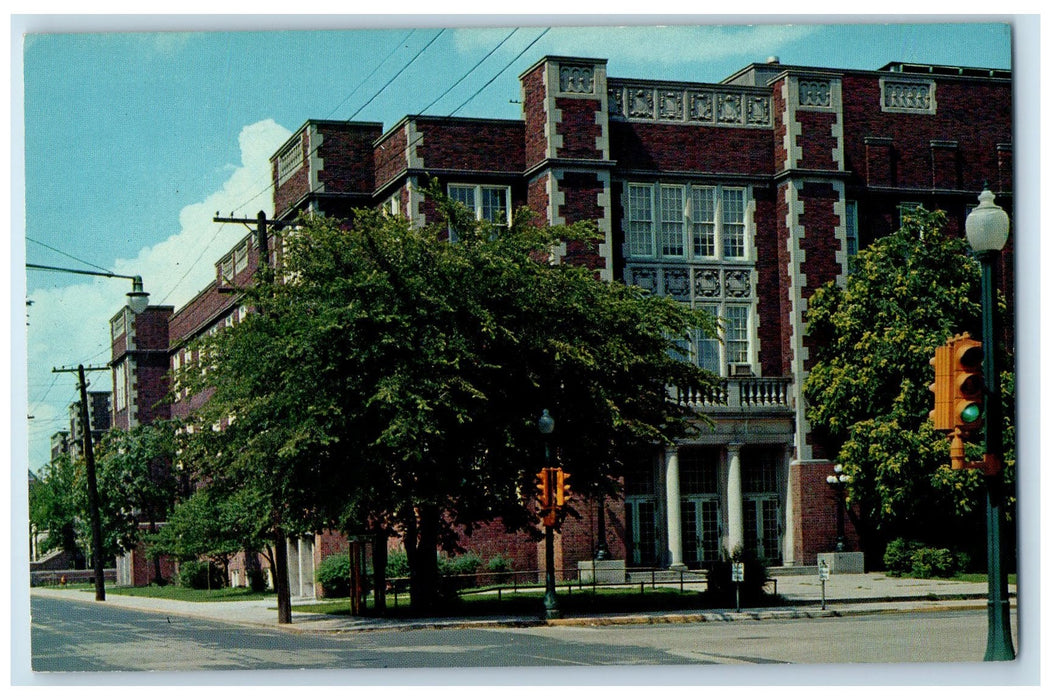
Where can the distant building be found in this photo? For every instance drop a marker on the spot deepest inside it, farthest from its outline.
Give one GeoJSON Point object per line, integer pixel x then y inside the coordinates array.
{"type": "Point", "coordinates": [740, 197]}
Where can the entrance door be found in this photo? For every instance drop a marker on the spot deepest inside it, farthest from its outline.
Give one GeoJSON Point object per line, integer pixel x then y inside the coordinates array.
{"type": "Point", "coordinates": [762, 531]}
{"type": "Point", "coordinates": [643, 531]}
{"type": "Point", "coordinates": [700, 530]}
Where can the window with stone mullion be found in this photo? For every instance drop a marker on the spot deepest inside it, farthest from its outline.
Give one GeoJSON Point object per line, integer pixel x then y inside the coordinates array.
{"type": "Point", "coordinates": [672, 222]}
{"type": "Point", "coordinates": [733, 222]}
{"type": "Point", "coordinates": [640, 221]}
{"type": "Point", "coordinates": [736, 333]}
{"type": "Point", "coordinates": [702, 200]}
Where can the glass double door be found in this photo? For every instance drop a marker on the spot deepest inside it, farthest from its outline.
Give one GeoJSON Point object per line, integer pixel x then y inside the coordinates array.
{"type": "Point", "coordinates": [701, 530]}
{"type": "Point", "coordinates": [762, 527]}
{"type": "Point", "coordinates": [643, 526]}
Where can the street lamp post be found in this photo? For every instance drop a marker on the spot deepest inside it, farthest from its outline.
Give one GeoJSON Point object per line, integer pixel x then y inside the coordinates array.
{"type": "Point", "coordinates": [546, 425]}
{"type": "Point", "coordinates": [138, 300]}
{"type": "Point", "coordinates": [987, 228]}
{"type": "Point", "coordinates": [838, 482]}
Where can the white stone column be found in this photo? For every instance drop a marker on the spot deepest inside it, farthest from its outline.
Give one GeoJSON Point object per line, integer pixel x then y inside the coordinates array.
{"type": "Point", "coordinates": [671, 490]}
{"type": "Point", "coordinates": [734, 499]}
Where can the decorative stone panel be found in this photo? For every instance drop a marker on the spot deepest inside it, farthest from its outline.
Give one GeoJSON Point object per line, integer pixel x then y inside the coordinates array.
{"type": "Point", "coordinates": [576, 79]}
{"type": "Point", "coordinates": [717, 106]}
{"type": "Point", "coordinates": [907, 96]}
{"type": "Point", "coordinates": [815, 93]}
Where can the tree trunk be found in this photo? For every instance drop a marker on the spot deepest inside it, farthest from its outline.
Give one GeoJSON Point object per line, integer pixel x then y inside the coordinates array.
{"type": "Point", "coordinates": [284, 596]}
{"type": "Point", "coordinates": [424, 571]}
{"type": "Point", "coordinates": [379, 571]}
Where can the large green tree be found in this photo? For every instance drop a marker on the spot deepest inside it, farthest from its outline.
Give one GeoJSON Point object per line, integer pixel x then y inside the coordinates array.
{"type": "Point", "coordinates": [137, 486]}
{"type": "Point", "coordinates": [54, 507]}
{"type": "Point", "coordinates": [391, 380]}
{"type": "Point", "coordinates": [867, 393]}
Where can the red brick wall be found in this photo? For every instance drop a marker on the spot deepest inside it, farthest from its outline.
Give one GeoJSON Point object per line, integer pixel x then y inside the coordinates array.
{"type": "Point", "coordinates": [472, 145]}
{"type": "Point", "coordinates": [581, 191]}
{"type": "Point", "coordinates": [677, 148]}
{"type": "Point", "coordinates": [818, 243]}
{"type": "Point", "coordinates": [977, 115]}
{"type": "Point", "coordinates": [347, 157]}
{"type": "Point", "coordinates": [537, 199]}
{"type": "Point", "coordinates": [784, 294]}
{"type": "Point", "coordinates": [295, 187]}
{"type": "Point", "coordinates": [946, 171]}
{"type": "Point", "coordinates": [814, 513]}
{"type": "Point", "coordinates": [777, 109]}
{"type": "Point", "coordinates": [389, 156]}
{"type": "Point", "coordinates": [816, 141]}
{"type": "Point", "coordinates": [578, 127]}
{"type": "Point", "coordinates": [771, 282]}
{"type": "Point", "coordinates": [534, 93]}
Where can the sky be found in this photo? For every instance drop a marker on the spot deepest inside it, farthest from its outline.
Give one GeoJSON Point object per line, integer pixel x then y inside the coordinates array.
{"type": "Point", "coordinates": [133, 141]}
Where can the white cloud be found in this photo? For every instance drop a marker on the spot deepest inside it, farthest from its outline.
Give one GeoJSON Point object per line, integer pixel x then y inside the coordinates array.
{"type": "Point", "coordinates": [70, 325]}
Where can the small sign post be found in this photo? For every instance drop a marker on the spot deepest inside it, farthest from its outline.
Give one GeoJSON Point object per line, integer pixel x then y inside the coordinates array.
{"type": "Point", "coordinates": [822, 573]}
{"type": "Point", "coordinates": [737, 576]}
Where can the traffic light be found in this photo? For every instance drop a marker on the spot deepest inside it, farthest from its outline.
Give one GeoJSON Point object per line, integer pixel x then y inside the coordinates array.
{"type": "Point", "coordinates": [543, 490]}
{"type": "Point", "coordinates": [941, 416]}
{"type": "Point", "coordinates": [562, 490]}
{"type": "Point", "coordinates": [967, 385]}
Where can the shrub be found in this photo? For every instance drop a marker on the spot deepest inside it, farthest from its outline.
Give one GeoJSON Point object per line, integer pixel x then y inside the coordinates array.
{"type": "Point", "coordinates": [500, 567]}
{"type": "Point", "coordinates": [911, 558]}
{"type": "Point", "coordinates": [460, 570]}
{"type": "Point", "coordinates": [200, 575]}
{"type": "Point", "coordinates": [397, 564]}
{"type": "Point", "coordinates": [898, 556]}
{"type": "Point", "coordinates": [334, 576]}
{"type": "Point", "coordinates": [928, 562]}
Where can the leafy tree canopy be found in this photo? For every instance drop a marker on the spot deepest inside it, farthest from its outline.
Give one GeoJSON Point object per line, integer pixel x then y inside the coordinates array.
{"type": "Point", "coordinates": [867, 393]}
{"type": "Point", "coordinates": [392, 378]}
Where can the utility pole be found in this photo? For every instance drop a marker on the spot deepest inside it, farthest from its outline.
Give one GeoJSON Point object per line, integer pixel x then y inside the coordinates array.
{"type": "Point", "coordinates": [280, 549]}
{"type": "Point", "coordinates": [93, 489]}
{"type": "Point", "coordinates": [261, 231]}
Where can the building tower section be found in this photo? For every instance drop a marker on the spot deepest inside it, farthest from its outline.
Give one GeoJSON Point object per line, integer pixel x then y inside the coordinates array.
{"type": "Point", "coordinates": [567, 153]}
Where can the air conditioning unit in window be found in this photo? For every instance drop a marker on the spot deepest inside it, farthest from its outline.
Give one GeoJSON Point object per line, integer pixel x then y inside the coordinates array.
{"type": "Point", "coordinates": [740, 369]}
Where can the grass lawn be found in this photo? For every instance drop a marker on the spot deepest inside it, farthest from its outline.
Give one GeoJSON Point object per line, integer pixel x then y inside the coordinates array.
{"type": "Point", "coordinates": [981, 578]}
{"type": "Point", "coordinates": [189, 594]}
{"type": "Point", "coordinates": [532, 602]}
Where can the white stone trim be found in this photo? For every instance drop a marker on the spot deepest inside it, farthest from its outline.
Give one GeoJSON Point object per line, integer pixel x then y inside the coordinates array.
{"type": "Point", "coordinates": [415, 204]}
{"type": "Point", "coordinates": [413, 138]}
{"type": "Point", "coordinates": [552, 138]}
{"type": "Point", "coordinates": [605, 225]}
{"type": "Point", "coordinates": [556, 199]}
{"type": "Point", "coordinates": [797, 326]}
{"type": "Point", "coordinates": [840, 209]}
{"type": "Point", "coordinates": [602, 116]}
{"type": "Point", "coordinates": [316, 162]}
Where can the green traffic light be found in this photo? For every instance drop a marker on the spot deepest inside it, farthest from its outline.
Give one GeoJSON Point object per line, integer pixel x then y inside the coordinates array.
{"type": "Point", "coordinates": [971, 413]}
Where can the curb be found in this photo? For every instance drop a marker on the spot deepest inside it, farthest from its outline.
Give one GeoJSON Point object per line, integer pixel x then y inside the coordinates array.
{"type": "Point", "coordinates": [799, 609]}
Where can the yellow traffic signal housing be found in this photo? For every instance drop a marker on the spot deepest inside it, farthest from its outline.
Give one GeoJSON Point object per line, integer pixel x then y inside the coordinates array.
{"type": "Point", "coordinates": [967, 386]}
{"type": "Point", "coordinates": [941, 416]}
{"type": "Point", "coordinates": [543, 490]}
{"type": "Point", "coordinates": [562, 490]}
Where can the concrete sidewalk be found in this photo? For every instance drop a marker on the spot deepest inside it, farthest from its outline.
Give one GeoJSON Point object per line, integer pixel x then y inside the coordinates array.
{"type": "Point", "coordinates": [845, 594]}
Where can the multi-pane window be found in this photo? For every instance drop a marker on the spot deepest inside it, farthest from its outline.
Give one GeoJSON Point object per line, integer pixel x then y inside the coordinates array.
{"type": "Point", "coordinates": [708, 345]}
{"type": "Point", "coordinates": [733, 222]}
{"type": "Point", "coordinates": [120, 386]}
{"type": "Point", "coordinates": [640, 220]}
{"type": "Point", "coordinates": [672, 223]}
{"type": "Point", "coordinates": [702, 200]}
{"type": "Point", "coordinates": [490, 203]}
{"type": "Point", "coordinates": [241, 257]}
{"type": "Point", "coordinates": [736, 319]}
{"type": "Point", "coordinates": [714, 218]}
